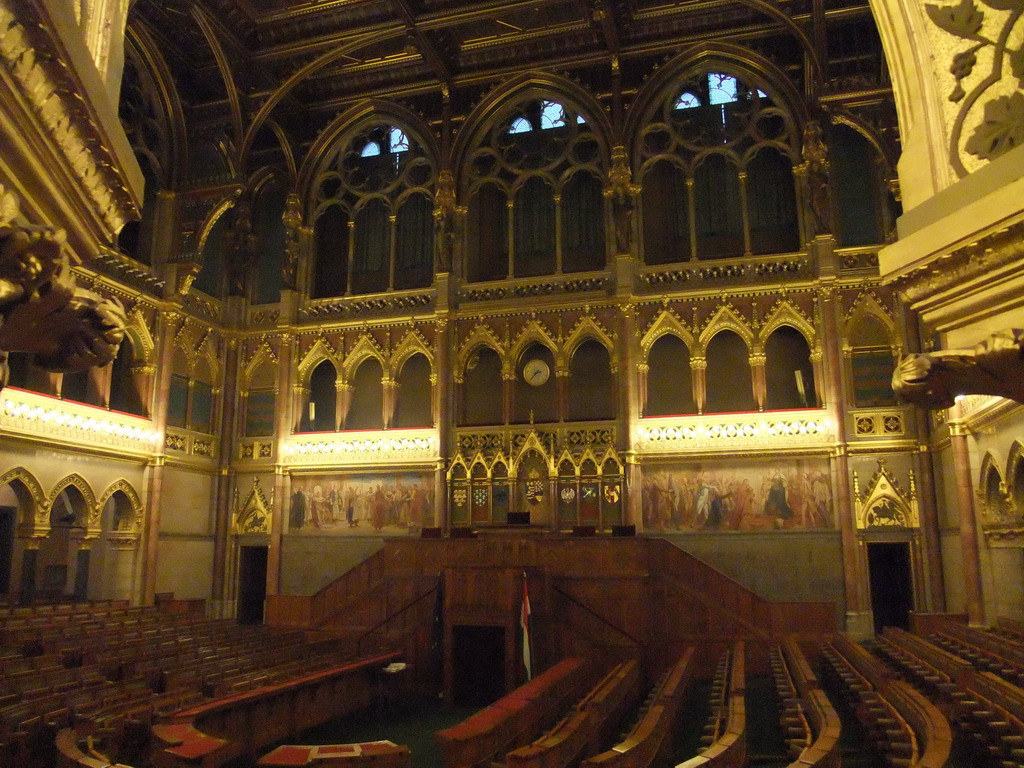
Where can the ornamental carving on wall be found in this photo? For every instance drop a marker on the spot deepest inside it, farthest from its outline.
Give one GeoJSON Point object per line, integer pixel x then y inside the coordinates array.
{"type": "Point", "coordinates": [987, 68]}
{"type": "Point", "coordinates": [883, 503]}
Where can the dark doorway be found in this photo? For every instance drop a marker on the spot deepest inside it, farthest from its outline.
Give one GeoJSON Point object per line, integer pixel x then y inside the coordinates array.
{"type": "Point", "coordinates": [892, 589]}
{"type": "Point", "coordinates": [7, 517]}
{"type": "Point", "coordinates": [252, 584]}
{"type": "Point", "coordinates": [478, 658]}
{"type": "Point", "coordinates": [81, 576]}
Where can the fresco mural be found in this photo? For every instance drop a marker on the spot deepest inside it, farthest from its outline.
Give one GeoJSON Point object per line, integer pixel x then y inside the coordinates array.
{"type": "Point", "coordinates": [361, 504]}
{"type": "Point", "coordinates": [778, 495]}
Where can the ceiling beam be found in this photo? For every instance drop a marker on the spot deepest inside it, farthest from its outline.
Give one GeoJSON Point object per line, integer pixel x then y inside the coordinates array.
{"type": "Point", "coordinates": [424, 44]}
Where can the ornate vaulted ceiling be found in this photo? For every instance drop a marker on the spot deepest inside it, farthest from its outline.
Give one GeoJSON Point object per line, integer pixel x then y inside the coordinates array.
{"type": "Point", "coordinates": [320, 57]}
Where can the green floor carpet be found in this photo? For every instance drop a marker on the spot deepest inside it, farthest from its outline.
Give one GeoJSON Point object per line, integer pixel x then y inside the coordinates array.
{"type": "Point", "coordinates": [411, 723]}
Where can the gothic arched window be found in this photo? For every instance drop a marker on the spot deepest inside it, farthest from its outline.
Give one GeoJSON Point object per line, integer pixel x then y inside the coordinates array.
{"type": "Point", "coordinates": [371, 203]}
{"type": "Point", "coordinates": [537, 165]}
{"type": "Point", "coordinates": [716, 163]}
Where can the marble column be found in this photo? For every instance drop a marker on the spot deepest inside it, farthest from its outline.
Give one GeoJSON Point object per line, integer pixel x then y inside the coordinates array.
{"type": "Point", "coordinates": [154, 473]}
{"type": "Point", "coordinates": [958, 436]}
{"type": "Point", "coordinates": [283, 420]}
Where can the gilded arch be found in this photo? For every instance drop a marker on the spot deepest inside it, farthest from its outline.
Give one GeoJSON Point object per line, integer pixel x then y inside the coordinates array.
{"type": "Point", "coordinates": [481, 336]}
{"type": "Point", "coordinates": [211, 218]}
{"type": "Point", "coordinates": [412, 344]}
{"type": "Point", "coordinates": [726, 318]}
{"type": "Point", "coordinates": [320, 351]}
{"type": "Point", "coordinates": [884, 503]}
{"type": "Point", "coordinates": [533, 333]}
{"type": "Point", "coordinates": [143, 345]}
{"type": "Point", "coordinates": [263, 355]}
{"type": "Point", "coordinates": [75, 480]}
{"type": "Point", "coordinates": [32, 501]}
{"type": "Point", "coordinates": [255, 513]}
{"type": "Point", "coordinates": [1015, 478]}
{"type": "Point", "coordinates": [868, 305]}
{"type": "Point", "coordinates": [587, 329]}
{"type": "Point", "coordinates": [363, 350]}
{"type": "Point", "coordinates": [992, 493]}
{"type": "Point", "coordinates": [667, 322]}
{"type": "Point", "coordinates": [785, 313]}
{"type": "Point", "coordinates": [123, 486]}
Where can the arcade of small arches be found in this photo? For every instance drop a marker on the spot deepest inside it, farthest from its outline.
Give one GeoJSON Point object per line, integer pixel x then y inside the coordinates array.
{"type": "Point", "coordinates": [50, 550]}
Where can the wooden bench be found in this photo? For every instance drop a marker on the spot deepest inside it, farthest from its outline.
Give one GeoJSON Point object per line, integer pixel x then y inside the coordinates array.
{"type": "Point", "coordinates": [581, 731]}
{"type": "Point", "coordinates": [515, 719]}
{"type": "Point", "coordinates": [727, 727]}
{"type": "Point", "coordinates": [650, 740]}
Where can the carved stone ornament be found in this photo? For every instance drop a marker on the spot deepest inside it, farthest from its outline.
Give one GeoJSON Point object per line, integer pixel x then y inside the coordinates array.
{"type": "Point", "coordinates": [994, 367]}
{"type": "Point", "coordinates": [42, 310]}
{"type": "Point", "coordinates": [987, 69]}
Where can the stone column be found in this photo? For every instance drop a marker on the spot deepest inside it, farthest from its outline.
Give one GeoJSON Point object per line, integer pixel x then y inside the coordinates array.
{"type": "Point", "coordinates": [154, 473]}
{"type": "Point", "coordinates": [629, 413]}
{"type": "Point", "coordinates": [508, 376]}
{"type": "Point", "coordinates": [389, 400]}
{"type": "Point", "coordinates": [442, 385]}
{"type": "Point", "coordinates": [858, 616]}
{"type": "Point", "coordinates": [562, 392]}
{"type": "Point", "coordinates": [698, 370]}
{"type": "Point", "coordinates": [757, 377]}
{"type": "Point", "coordinates": [282, 421]}
{"type": "Point", "coordinates": [968, 518]}
{"type": "Point", "coordinates": [225, 478]}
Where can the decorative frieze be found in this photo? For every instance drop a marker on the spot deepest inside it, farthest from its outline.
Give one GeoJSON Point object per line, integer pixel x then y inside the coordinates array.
{"type": "Point", "coordinates": [383, 447]}
{"type": "Point", "coordinates": [734, 432]}
{"type": "Point", "coordinates": [75, 424]}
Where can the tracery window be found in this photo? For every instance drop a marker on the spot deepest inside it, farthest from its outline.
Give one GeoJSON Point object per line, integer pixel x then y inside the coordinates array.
{"type": "Point", "coordinates": [716, 168]}
{"type": "Point", "coordinates": [537, 175]}
{"type": "Point", "coordinates": [373, 202]}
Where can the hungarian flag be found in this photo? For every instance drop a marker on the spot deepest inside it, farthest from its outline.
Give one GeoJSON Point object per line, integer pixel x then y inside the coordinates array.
{"type": "Point", "coordinates": [524, 626]}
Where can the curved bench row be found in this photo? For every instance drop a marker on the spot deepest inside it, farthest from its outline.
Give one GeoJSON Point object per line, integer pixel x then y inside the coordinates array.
{"type": "Point", "coordinates": [581, 731]}
{"type": "Point", "coordinates": [905, 727]}
{"type": "Point", "coordinates": [213, 733]}
{"type": "Point", "coordinates": [650, 740]}
{"type": "Point", "coordinates": [809, 719]}
{"type": "Point", "coordinates": [988, 709]}
{"type": "Point", "coordinates": [513, 720]}
{"type": "Point", "coordinates": [727, 731]}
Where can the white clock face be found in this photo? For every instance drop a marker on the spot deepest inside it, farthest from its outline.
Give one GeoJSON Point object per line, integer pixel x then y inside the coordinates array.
{"type": "Point", "coordinates": [536, 372]}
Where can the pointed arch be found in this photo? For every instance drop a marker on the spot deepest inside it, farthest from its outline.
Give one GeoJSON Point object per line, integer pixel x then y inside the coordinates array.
{"type": "Point", "coordinates": [1014, 477]}
{"type": "Point", "coordinates": [726, 318]}
{"type": "Point", "coordinates": [255, 513]}
{"type": "Point", "coordinates": [30, 495]}
{"type": "Point", "coordinates": [533, 333]}
{"type": "Point", "coordinates": [868, 305]}
{"type": "Point", "coordinates": [667, 322]}
{"type": "Point", "coordinates": [126, 488]}
{"type": "Point", "coordinates": [320, 351]}
{"type": "Point", "coordinates": [363, 115]}
{"type": "Point", "coordinates": [78, 482]}
{"type": "Point", "coordinates": [527, 85]}
{"type": "Point", "coordinates": [586, 329]}
{"type": "Point", "coordinates": [785, 313]}
{"type": "Point", "coordinates": [363, 350]}
{"type": "Point", "coordinates": [143, 345]}
{"type": "Point", "coordinates": [215, 213]}
{"type": "Point", "coordinates": [263, 354]}
{"type": "Point", "coordinates": [738, 60]}
{"type": "Point", "coordinates": [481, 336]}
{"type": "Point", "coordinates": [411, 344]}
{"type": "Point", "coordinates": [992, 491]}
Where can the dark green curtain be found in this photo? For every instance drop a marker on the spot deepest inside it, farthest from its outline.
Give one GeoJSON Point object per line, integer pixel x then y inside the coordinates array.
{"type": "Point", "coordinates": [331, 235]}
{"type": "Point", "coordinates": [771, 203]}
{"type": "Point", "coordinates": [582, 224]}
{"type": "Point", "coordinates": [534, 229]}
{"type": "Point", "coordinates": [719, 216]}
{"type": "Point", "coordinates": [414, 246]}
{"type": "Point", "coordinates": [666, 213]}
{"type": "Point", "coordinates": [372, 252]}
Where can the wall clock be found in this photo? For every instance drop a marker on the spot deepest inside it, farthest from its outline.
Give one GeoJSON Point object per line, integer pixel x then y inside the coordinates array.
{"type": "Point", "coordinates": [536, 372]}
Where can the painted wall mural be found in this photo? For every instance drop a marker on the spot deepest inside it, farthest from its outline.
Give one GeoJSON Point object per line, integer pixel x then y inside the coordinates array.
{"type": "Point", "coordinates": [756, 495]}
{"type": "Point", "coordinates": [364, 504]}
